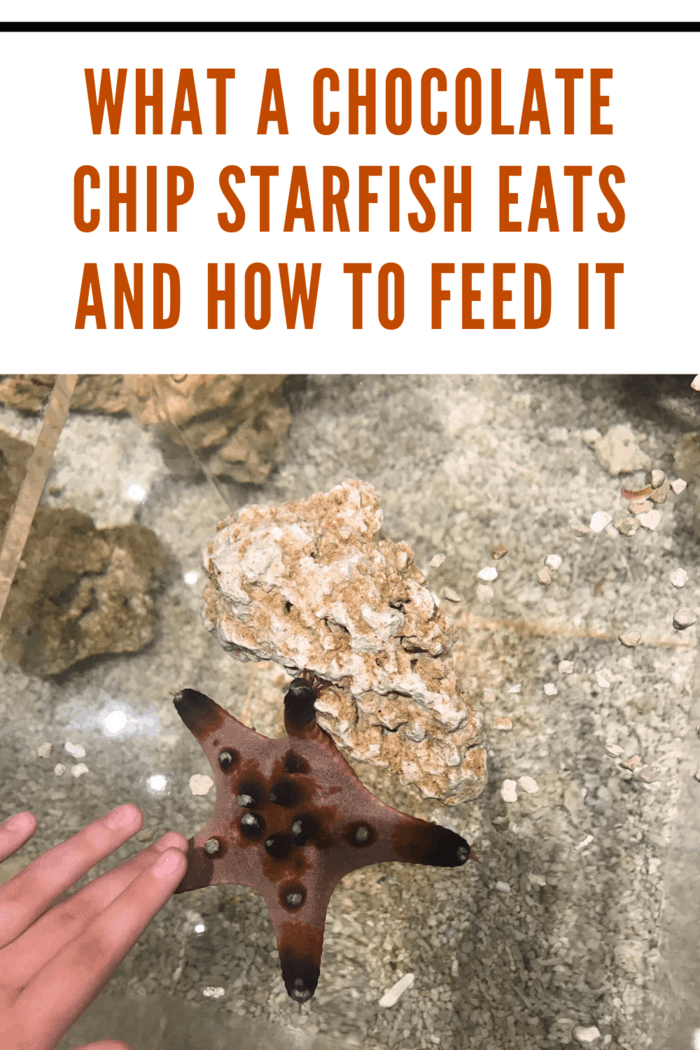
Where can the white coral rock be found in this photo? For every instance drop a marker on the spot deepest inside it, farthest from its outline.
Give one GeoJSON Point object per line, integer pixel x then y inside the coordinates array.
{"type": "Point", "coordinates": [312, 585]}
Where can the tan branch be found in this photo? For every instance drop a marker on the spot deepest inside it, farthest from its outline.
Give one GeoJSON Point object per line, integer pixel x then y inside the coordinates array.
{"type": "Point", "coordinates": [38, 467]}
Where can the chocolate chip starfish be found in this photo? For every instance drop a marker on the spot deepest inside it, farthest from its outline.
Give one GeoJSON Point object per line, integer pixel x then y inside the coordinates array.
{"type": "Point", "coordinates": [291, 819]}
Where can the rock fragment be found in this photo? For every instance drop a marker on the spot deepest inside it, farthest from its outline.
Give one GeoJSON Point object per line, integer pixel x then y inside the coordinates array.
{"type": "Point", "coordinates": [627, 526]}
{"type": "Point", "coordinates": [498, 552]}
{"type": "Point", "coordinates": [529, 785]}
{"type": "Point", "coordinates": [436, 561]}
{"type": "Point", "coordinates": [484, 593]}
{"type": "Point", "coordinates": [505, 724]}
{"type": "Point", "coordinates": [586, 1036]}
{"type": "Point", "coordinates": [602, 681]}
{"type": "Point", "coordinates": [600, 520]}
{"type": "Point", "coordinates": [392, 997]}
{"type": "Point", "coordinates": [201, 784]}
{"type": "Point", "coordinates": [566, 667]}
{"type": "Point", "coordinates": [684, 618]}
{"type": "Point", "coordinates": [631, 763]}
{"type": "Point", "coordinates": [619, 453]}
{"type": "Point", "coordinates": [44, 750]}
{"type": "Point", "coordinates": [679, 485]}
{"type": "Point", "coordinates": [509, 791]}
{"type": "Point", "coordinates": [553, 562]}
{"type": "Point", "coordinates": [650, 520]}
{"type": "Point", "coordinates": [630, 639]}
{"type": "Point", "coordinates": [312, 586]}
{"type": "Point", "coordinates": [679, 578]}
{"type": "Point", "coordinates": [451, 595]}
{"type": "Point", "coordinates": [550, 689]}
{"type": "Point", "coordinates": [544, 577]}
{"type": "Point", "coordinates": [655, 478]}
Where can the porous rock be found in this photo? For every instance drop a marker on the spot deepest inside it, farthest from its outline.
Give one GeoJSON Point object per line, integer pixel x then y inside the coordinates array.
{"type": "Point", "coordinates": [93, 393]}
{"type": "Point", "coordinates": [237, 421]}
{"type": "Point", "coordinates": [313, 586]}
{"type": "Point", "coordinates": [79, 591]}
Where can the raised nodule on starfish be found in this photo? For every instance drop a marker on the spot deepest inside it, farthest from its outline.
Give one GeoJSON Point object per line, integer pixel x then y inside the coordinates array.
{"type": "Point", "coordinates": [291, 819]}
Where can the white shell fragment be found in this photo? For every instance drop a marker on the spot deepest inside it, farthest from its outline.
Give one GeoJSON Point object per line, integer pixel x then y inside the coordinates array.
{"type": "Point", "coordinates": [583, 843]}
{"type": "Point", "coordinates": [553, 561]}
{"type": "Point", "coordinates": [529, 785]}
{"type": "Point", "coordinates": [514, 688]}
{"type": "Point", "coordinates": [213, 993]}
{"type": "Point", "coordinates": [509, 791]}
{"type": "Point", "coordinates": [600, 520]}
{"type": "Point", "coordinates": [44, 750]}
{"type": "Point", "coordinates": [695, 385]}
{"type": "Point", "coordinates": [630, 639]}
{"type": "Point", "coordinates": [503, 887]}
{"type": "Point", "coordinates": [78, 770]}
{"type": "Point", "coordinates": [451, 595]}
{"type": "Point", "coordinates": [488, 574]}
{"type": "Point", "coordinates": [200, 784]}
{"type": "Point", "coordinates": [76, 750]}
{"type": "Point", "coordinates": [550, 689]}
{"type": "Point", "coordinates": [679, 577]}
{"type": "Point", "coordinates": [684, 618]}
{"type": "Point", "coordinates": [536, 880]}
{"type": "Point", "coordinates": [566, 667]}
{"type": "Point", "coordinates": [679, 485]}
{"type": "Point", "coordinates": [437, 561]}
{"type": "Point", "coordinates": [614, 749]}
{"type": "Point", "coordinates": [312, 585]}
{"type": "Point", "coordinates": [59, 769]}
{"type": "Point", "coordinates": [586, 1036]}
{"type": "Point", "coordinates": [655, 478]}
{"type": "Point", "coordinates": [650, 519]}
{"type": "Point", "coordinates": [602, 680]}
{"type": "Point", "coordinates": [392, 997]}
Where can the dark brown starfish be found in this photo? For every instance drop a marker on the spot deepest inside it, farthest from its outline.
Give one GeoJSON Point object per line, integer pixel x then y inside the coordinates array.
{"type": "Point", "coordinates": [291, 819]}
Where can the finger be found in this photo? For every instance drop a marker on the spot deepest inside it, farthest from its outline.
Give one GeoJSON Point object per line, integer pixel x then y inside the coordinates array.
{"type": "Point", "coordinates": [31, 951]}
{"type": "Point", "coordinates": [14, 832]}
{"type": "Point", "coordinates": [105, 1044]}
{"type": "Point", "coordinates": [71, 981]}
{"type": "Point", "coordinates": [28, 894]}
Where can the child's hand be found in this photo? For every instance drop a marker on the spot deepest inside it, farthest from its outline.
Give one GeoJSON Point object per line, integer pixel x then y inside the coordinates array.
{"type": "Point", "coordinates": [54, 961]}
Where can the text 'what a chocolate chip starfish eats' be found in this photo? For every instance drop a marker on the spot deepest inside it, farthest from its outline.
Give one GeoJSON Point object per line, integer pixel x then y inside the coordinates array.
{"type": "Point", "coordinates": [291, 819]}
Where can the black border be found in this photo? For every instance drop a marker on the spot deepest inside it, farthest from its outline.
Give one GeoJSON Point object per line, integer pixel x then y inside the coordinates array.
{"type": "Point", "coordinates": [349, 27]}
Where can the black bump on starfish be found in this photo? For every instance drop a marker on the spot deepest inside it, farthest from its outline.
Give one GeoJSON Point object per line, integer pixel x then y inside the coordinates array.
{"type": "Point", "coordinates": [319, 824]}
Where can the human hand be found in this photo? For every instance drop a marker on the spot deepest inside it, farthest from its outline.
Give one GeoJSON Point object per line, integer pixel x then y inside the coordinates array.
{"type": "Point", "coordinates": [54, 961]}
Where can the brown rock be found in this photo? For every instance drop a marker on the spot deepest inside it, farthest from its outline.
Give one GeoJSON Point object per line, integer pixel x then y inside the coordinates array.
{"type": "Point", "coordinates": [79, 591]}
{"type": "Point", "coordinates": [93, 393]}
{"type": "Point", "coordinates": [239, 421]}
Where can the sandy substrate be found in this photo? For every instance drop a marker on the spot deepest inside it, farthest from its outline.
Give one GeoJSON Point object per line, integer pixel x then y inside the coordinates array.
{"type": "Point", "coordinates": [575, 927]}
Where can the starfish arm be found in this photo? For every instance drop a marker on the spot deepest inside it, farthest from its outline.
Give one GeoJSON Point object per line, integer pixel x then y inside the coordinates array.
{"type": "Point", "coordinates": [211, 724]}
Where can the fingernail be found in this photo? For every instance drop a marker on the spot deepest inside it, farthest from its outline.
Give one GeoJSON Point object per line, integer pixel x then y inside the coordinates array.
{"type": "Point", "coordinates": [170, 839]}
{"type": "Point", "coordinates": [121, 817]}
{"type": "Point", "coordinates": [20, 822]}
{"type": "Point", "coordinates": [167, 864]}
